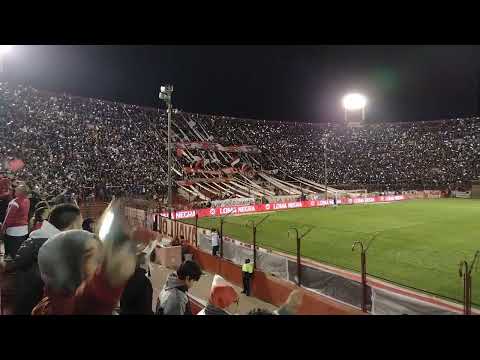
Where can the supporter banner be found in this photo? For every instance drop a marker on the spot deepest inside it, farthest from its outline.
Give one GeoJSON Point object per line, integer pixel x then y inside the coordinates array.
{"type": "Point", "coordinates": [236, 210]}
{"type": "Point", "coordinates": [196, 145]}
{"type": "Point", "coordinates": [330, 284]}
{"type": "Point", "coordinates": [180, 152]}
{"type": "Point", "coordinates": [239, 148]}
{"type": "Point", "coordinates": [388, 303]}
{"type": "Point", "coordinates": [244, 169]}
{"type": "Point", "coordinates": [233, 201]}
{"type": "Point", "coordinates": [283, 198]}
{"type": "Point", "coordinates": [172, 229]}
{"type": "Point", "coordinates": [190, 170]}
{"type": "Point", "coordinates": [230, 170]}
{"type": "Point", "coordinates": [204, 145]}
{"type": "Point", "coordinates": [202, 180]}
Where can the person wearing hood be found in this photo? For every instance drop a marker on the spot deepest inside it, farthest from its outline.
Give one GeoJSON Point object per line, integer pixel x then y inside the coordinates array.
{"type": "Point", "coordinates": [29, 285]}
{"type": "Point", "coordinates": [173, 299]}
{"type": "Point", "coordinates": [83, 275]}
{"type": "Point", "coordinates": [222, 296]}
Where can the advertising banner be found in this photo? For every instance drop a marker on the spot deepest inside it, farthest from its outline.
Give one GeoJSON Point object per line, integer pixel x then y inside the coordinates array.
{"type": "Point", "coordinates": [172, 229]}
{"type": "Point", "coordinates": [205, 145]}
{"type": "Point", "coordinates": [237, 210]}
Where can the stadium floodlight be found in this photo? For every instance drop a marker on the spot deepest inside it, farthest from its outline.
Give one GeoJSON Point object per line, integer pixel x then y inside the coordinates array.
{"type": "Point", "coordinates": [166, 95]}
{"type": "Point", "coordinates": [354, 102]}
{"type": "Point", "coordinates": [4, 49]}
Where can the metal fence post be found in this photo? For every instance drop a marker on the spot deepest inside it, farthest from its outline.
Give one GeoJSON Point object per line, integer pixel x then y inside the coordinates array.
{"type": "Point", "coordinates": [363, 258]}
{"type": "Point", "coordinates": [299, 264]}
{"type": "Point", "coordinates": [465, 271]}
{"type": "Point", "coordinates": [254, 247]}
{"type": "Point", "coordinates": [364, 281]}
{"type": "Point", "coordinates": [299, 258]}
{"type": "Point", "coordinates": [196, 230]}
{"type": "Point", "coordinates": [221, 237]}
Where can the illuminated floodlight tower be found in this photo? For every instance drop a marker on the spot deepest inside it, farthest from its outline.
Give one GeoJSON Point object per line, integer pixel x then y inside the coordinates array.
{"type": "Point", "coordinates": [354, 102]}
{"type": "Point", "coordinates": [4, 50]}
{"type": "Point", "coordinates": [166, 95]}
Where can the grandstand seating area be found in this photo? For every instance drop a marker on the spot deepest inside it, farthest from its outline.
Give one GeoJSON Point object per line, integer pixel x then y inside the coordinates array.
{"type": "Point", "coordinates": [92, 145]}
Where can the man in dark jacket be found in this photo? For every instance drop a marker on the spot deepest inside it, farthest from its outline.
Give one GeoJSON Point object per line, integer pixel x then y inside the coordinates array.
{"type": "Point", "coordinates": [29, 285]}
{"type": "Point", "coordinates": [137, 295]}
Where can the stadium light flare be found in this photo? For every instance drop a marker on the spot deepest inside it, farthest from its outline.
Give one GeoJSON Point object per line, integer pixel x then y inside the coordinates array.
{"type": "Point", "coordinates": [354, 102]}
{"type": "Point", "coordinates": [4, 49]}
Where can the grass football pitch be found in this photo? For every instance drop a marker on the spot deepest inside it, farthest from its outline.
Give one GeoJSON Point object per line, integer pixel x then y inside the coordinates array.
{"type": "Point", "coordinates": [419, 243]}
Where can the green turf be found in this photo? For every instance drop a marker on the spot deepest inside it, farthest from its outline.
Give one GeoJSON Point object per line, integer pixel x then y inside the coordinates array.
{"type": "Point", "coordinates": [419, 243]}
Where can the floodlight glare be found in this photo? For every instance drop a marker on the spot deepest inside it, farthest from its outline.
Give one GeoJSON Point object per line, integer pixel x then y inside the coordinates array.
{"type": "Point", "coordinates": [355, 101]}
{"type": "Point", "coordinates": [5, 49]}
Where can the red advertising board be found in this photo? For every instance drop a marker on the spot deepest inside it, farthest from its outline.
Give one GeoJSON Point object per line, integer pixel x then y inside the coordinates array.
{"type": "Point", "coordinates": [219, 211]}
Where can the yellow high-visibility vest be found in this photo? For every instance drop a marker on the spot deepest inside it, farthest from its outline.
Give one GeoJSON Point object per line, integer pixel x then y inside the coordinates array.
{"type": "Point", "coordinates": [247, 268]}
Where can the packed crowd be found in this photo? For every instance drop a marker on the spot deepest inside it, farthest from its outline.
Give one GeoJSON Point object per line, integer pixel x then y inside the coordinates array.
{"type": "Point", "coordinates": [81, 145]}
{"type": "Point", "coordinates": [432, 155]}
{"type": "Point", "coordinates": [91, 146]}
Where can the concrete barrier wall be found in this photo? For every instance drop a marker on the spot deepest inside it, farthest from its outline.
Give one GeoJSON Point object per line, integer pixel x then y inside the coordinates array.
{"type": "Point", "coordinates": [272, 290]}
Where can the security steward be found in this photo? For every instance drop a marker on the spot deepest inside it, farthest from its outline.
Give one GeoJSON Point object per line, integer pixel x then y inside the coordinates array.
{"type": "Point", "coordinates": [247, 273]}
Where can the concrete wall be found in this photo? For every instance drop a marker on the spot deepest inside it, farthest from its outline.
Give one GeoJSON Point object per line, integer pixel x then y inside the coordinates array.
{"type": "Point", "coordinates": [272, 290]}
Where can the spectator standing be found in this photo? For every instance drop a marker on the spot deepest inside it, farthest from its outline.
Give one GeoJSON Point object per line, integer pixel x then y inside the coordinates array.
{"type": "Point", "coordinates": [137, 296]}
{"type": "Point", "coordinates": [215, 242]}
{"type": "Point", "coordinates": [173, 299]}
{"type": "Point", "coordinates": [15, 225]}
{"type": "Point", "coordinates": [247, 273]}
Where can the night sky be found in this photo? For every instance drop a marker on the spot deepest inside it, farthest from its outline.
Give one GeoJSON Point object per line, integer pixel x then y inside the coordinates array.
{"type": "Point", "coordinates": [291, 83]}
